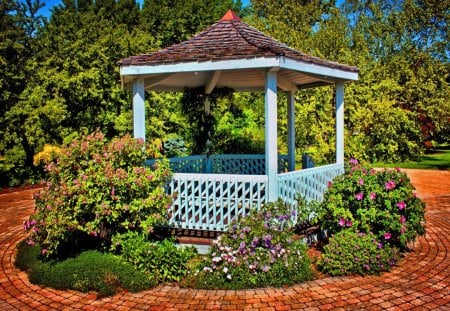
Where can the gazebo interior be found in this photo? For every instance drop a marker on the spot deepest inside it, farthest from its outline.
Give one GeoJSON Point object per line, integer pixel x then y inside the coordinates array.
{"type": "Point", "coordinates": [212, 190]}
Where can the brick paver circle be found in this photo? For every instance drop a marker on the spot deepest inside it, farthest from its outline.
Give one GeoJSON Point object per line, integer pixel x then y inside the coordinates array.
{"type": "Point", "coordinates": [421, 281]}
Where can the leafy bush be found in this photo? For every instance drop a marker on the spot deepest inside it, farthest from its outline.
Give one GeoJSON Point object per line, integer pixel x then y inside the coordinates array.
{"type": "Point", "coordinates": [91, 270]}
{"type": "Point", "coordinates": [357, 253]}
{"type": "Point", "coordinates": [381, 202]}
{"type": "Point", "coordinates": [95, 190]}
{"type": "Point", "coordinates": [163, 260]}
{"type": "Point", "coordinates": [257, 250]}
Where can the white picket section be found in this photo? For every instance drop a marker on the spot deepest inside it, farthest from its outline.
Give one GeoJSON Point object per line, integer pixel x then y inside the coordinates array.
{"type": "Point", "coordinates": [210, 191]}
{"type": "Point", "coordinates": [211, 201]}
{"type": "Point", "coordinates": [309, 183]}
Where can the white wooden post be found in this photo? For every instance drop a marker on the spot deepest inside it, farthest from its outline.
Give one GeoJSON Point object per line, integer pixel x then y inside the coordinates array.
{"type": "Point", "coordinates": [340, 122]}
{"type": "Point", "coordinates": [139, 109]}
{"type": "Point", "coordinates": [291, 131]}
{"type": "Point", "coordinates": [271, 135]}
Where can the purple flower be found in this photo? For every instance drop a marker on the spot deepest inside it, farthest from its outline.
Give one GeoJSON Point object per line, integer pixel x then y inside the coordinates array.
{"type": "Point", "coordinates": [380, 245]}
{"type": "Point", "coordinates": [265, 268]}
{"type": "Point", "coordinates": [242, 247]}
{"type": "Point", "coordinates": [353, 161]}
{"type": "Point", "coordinates": [359, 196]}
{"type": "Point", "coordinates": [341, 222]}
{"type": "Point", "coordinates": [373, 195]}
{"type": "Point", "coordinates": [267, 240]}
{"type": "Point", "coordinates": [361, 181]}
{"type": "Point", "coordinates": [389, 185]}
{"type": "Point", "coordinates": [401, 205]}
{"type": "Point", "coordinates": [387, 235]}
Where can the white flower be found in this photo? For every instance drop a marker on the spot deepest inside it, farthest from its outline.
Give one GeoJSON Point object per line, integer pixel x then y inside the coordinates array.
{"type": "Point", "coordinates": [207, 269]}
{"type": "Point", "coordinates": [229, 276]}
{"type": "Point", "coordinates": [225, 270]}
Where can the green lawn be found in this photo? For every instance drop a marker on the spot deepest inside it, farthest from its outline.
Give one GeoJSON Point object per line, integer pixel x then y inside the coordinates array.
{"type": "Point", "coordinates": [437, 159]}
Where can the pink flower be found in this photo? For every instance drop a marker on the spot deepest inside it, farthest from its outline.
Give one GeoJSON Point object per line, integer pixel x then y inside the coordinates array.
{"type": "Point", "coordinates": [330, 184]}
{"type": "Point", "coordinates": [44, 251]}
{"type": "Point", "coordinates": [361, 181]}
{"type": "Point", "coordinates": [341, 222]}
{"type": "Point", "coordinates": [389, 185]}
{"type": "Point", "coordinates": [401, 205]}
{"type": "Point", "coordinates": [402, 219]}
{"type": "Point", "coordinates": [373, 195]}
{"type": "Point", "coordinates": [348, 223]}
{"type": "Point", "coordinates": [353, 161]}
{"type": "Point", "coordinates": [403, 229]}
{"type": "Point", "coordinates": [387, 235]}
{"type": "Point", "coordinates": [359, 196]}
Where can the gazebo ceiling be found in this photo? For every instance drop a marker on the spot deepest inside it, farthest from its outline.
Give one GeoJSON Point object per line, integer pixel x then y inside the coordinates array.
{"type": "Point", "coordinates": [231, 54]}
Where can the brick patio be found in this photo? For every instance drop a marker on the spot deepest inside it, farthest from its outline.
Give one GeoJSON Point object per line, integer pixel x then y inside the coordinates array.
{"type": "Point", "coordinates": [421, 281]}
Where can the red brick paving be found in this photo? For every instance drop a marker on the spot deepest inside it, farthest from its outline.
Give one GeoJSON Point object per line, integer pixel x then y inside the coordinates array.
{"type": "Point", "coordinates": [421, 281]}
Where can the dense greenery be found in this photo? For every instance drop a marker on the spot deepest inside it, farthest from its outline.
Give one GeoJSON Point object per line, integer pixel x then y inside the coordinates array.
{"type": "Point", "coordinates": [257, 250]}
{"type": "Point", "coordinates": [59, 77]}
{"type": "Point", "coordinates": [97, 189]}
{"type": "Point", "coordinates": [162, 260]}
{"type": "Point", "coordinates": [104, 273]}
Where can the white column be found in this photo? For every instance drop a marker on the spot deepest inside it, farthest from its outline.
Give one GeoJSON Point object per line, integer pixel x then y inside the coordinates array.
{"type": "Point", "coordinates": [139, 109]}
{"type": "Point", "coordinates": [271, 135]}
{"type": "Point", "coordinates": [291, 131]}
{"type": "Point", "coordinates": [340, 122]}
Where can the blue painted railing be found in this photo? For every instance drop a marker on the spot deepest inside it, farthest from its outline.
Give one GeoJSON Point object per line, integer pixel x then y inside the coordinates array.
{"type": "Point", "coordinates": [242, 164]}
{"type": "Point", "coordinates": [234, 185]}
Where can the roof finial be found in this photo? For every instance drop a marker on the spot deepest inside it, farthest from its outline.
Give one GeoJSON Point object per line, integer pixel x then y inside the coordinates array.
{"type": "Point", "coordinates": [230, 16]}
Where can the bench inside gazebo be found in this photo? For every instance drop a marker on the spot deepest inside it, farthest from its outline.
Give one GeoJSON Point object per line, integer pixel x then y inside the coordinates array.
{"type": "Point", "coordinates": [209, 191]}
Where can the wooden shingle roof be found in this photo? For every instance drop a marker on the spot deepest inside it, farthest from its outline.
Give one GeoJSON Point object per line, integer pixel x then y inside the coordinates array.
{"type": "Point", "coordinates": [231, 54]}
{"type": "Point", "coordinates": [227, 39]}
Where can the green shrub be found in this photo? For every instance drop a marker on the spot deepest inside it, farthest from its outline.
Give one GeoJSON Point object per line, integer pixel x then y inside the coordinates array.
{"type": "Point", "coordinates": [381, 202]}
{"type": "Point", "coordinates": [104, 273]}
{"type": "Point", "coordinates": [92, 270]}
{"type": "Point", "coordinates": [95, 190]}
{"type": "Point", "coordinates": [163, 260]}
{"type": "Point", "coordinates": [257, 250]}
{"type": "Point", "coordinates": [27, 256]}
{"type": "Point", "coordinates": [356, 253]}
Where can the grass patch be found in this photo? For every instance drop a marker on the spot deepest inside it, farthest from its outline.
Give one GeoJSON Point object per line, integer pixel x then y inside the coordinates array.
{"type": "Point", "coordinates": [436, 159]}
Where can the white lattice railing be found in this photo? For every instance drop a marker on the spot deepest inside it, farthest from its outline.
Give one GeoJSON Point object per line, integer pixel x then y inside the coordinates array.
{"type": "Point", "coordinates": [309, 183]}
{"type": "Point", "coordinates": [211, 201]}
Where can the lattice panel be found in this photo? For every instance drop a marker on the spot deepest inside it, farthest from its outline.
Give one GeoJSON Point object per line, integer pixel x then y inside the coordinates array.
{"type": "Point", "coordinates": [210, 201]}
{"type": "Point", "coordinates": [191, 164]}
{"type": "Point", "coordinates": [244, 164]}
{"type": "Point", "coordinates": [309, 183]}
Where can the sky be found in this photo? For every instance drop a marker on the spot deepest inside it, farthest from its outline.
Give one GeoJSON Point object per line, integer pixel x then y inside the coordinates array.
{"type": "Point", "coordinates": [49, 4]}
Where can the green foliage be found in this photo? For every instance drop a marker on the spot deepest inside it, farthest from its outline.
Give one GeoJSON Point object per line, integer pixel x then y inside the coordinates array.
{"type": "Point", "coordinates": [27, 255]}
{"type": "Point", "coordinates": [91, 271]}
{"type": "Point", "coordinates": [198, 108]}
{"type": "Point", "coordinates": [438, 158]}
{"type": "Point", "coordinates": [162, 260]}
{"type": "Point", "coordinates": [383, 132]}
{"type": "Point", "coordinates": [349, 252]}
{"type": "Point", "coordinates": [378, 202]}
{"type": "Point", "coordinates": [95, 190]}
{"type": "Point", "coordinates": [257, 250]}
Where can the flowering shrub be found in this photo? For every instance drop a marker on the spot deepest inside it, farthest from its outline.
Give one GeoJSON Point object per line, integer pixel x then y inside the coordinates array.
{"type": "Point", "coordinates": [381, 202]}
{"type": "Point", "coordinates": [257, 250]}
{"type": "Point", "coordinates": [357, 253]}
{"type": "Point", "coordinates": [95, 190]}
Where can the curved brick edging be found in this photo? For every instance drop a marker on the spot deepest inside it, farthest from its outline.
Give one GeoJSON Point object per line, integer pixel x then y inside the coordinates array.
{"type": "Point", "coordinates": [421, 281]}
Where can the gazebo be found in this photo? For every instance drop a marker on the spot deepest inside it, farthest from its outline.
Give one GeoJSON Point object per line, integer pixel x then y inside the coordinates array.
{"type": "Point", "coordinates": [210, 191]}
